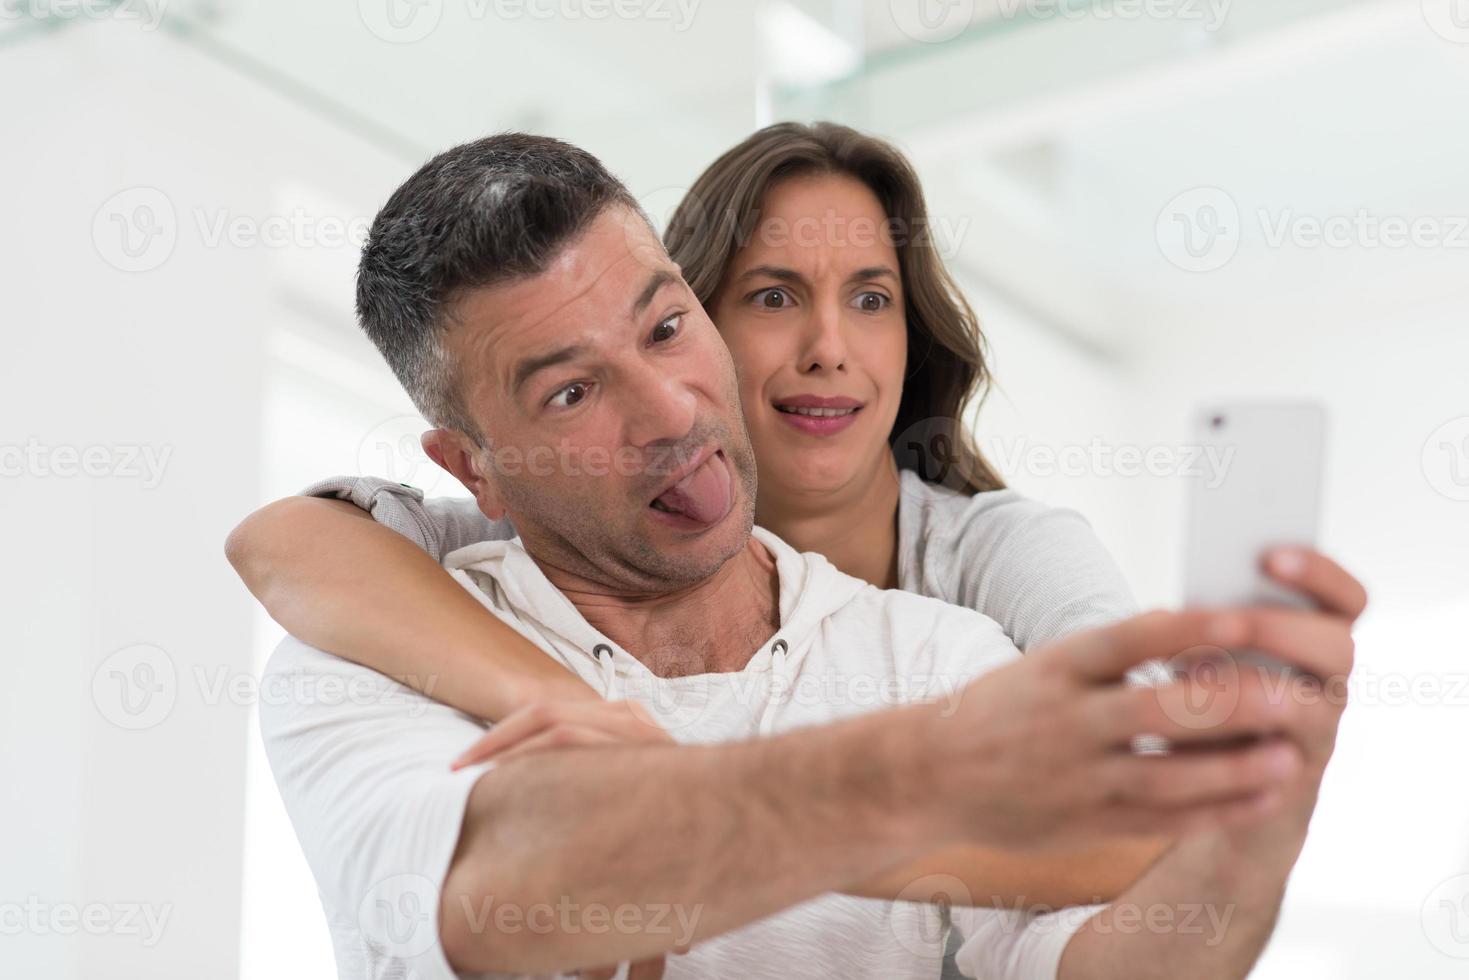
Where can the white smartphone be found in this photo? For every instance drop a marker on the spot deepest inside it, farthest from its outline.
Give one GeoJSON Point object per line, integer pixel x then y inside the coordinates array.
{"type": "Point", "coordinates": [1257, 487]}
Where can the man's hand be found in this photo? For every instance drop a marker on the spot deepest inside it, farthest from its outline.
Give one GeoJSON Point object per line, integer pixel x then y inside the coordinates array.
{"type": "Point", "coordinates": [1241, 869]}
{"type": "Point", "coordinates": [1037, 754]}
{"type": "Point", "coordinates": [1321, 638]}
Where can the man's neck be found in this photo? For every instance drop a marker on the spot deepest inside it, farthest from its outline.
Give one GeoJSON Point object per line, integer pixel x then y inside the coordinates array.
{"type": "Point", "coordinates": [713, 626]}
{"type": "Point", "coordinates": [855, 526]}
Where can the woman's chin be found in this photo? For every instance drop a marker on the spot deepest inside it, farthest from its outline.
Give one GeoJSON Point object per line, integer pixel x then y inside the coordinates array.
{"type": "Point", "coordinates": [798, 468]}
{"type": "Point", "coordinates": [815, 472]}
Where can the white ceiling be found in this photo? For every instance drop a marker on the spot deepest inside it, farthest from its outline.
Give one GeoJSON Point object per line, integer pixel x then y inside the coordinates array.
{"type": "Point", "coordinates": [1059, 149]}
{"type": "Point", "coordinates": [1055, 144]}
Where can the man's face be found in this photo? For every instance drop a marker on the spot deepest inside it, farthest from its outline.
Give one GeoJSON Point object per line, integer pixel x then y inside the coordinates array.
{"type": "Point", "coordinates": [609, 404]}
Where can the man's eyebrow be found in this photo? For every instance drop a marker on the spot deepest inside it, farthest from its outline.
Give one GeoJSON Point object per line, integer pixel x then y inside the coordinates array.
{"type": "Point", "coordinates": [530, 365]}
{"type": "Point", "coordinates": [661, 278]}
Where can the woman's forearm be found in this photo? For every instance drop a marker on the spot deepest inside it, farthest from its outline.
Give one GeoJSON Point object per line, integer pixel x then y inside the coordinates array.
{"type": "Point", "coordinates": [336, 579]}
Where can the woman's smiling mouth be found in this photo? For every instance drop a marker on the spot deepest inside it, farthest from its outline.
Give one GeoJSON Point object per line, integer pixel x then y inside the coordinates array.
{"type": "Point", "coordinates": [817, 415]}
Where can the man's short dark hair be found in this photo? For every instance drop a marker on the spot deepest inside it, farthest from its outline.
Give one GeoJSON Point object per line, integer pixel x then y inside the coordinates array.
{"type": "Point", "coordinates": [484, 213]}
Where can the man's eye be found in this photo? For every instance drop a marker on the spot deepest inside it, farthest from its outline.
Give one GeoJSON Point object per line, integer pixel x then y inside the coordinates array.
{"type": "Point", "coordinates": [773, 298]}
{"type": "Point", "coordinates": [569, 396]}
{"type": "Point", "coordinates": [872, 302]}
{"type": "Point", "coordinates": [667, 329]}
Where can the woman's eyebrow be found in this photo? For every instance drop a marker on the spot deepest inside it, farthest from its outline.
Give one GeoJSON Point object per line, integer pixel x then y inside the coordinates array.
{"type": "Point", "coordinates": [783, 274]}
{"type": "Point", "coordinates": [874, 272]}
{"type": "Point", "coordinates": [772, 272]}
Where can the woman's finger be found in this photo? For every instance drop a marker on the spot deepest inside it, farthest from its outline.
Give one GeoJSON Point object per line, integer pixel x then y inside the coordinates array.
{"type": "Point", "coordinates": [516, 727]}
{"type": "Point", "coordinates": [641, 970]}
{"type": "Point", "coordinates": [558, 737]}
{"type": "Point", "coordinates": [635, 722]}
{"type": "Point", "coordinates": [626, 721]}
{"type": "Point", "coordinates": [647, 969]}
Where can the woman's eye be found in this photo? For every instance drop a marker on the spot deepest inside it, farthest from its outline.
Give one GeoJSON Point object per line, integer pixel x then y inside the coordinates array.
{"type": "Point", "coordinates": [568, 396]}
{"type": "Point", "coordinates": [667, 329]}
{"type": "Point", "coordinates": [872, 302]}
{"type": "Point", "coordinates": [772, 299]}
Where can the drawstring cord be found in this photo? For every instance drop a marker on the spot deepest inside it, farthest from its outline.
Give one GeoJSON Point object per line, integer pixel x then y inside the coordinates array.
{"type": "Point", "coordinates": [779, 654]}
{"type": "Point", "coordinates": [609, 670]}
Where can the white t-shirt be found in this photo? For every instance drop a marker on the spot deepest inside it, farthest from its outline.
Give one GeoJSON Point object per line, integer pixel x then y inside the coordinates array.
{"type": "Point", "coordinates": [362, 764]}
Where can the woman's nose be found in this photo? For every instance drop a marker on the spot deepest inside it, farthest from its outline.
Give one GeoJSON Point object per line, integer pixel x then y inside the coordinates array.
{"type": "Point", "coordinates": [825, 346]}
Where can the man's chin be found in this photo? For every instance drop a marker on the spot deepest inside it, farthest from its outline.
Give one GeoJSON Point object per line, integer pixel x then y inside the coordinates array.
{"type": "Point", "coordinates": [698, 549]}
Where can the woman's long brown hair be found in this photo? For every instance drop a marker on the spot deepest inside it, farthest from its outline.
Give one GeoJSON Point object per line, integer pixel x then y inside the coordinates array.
{"type": "Point", "coordinates": [946, 350]}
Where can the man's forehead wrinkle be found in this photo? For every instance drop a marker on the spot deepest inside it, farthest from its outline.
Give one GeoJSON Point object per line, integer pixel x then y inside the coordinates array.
{"type": "Point", "coordinates": [511, 317]}
{"type": "Point", "coordinates": [574, 265]}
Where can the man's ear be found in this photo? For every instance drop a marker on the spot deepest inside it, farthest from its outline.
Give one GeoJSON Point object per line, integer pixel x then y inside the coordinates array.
{"type": "Point", "coordinates": [456, 452]}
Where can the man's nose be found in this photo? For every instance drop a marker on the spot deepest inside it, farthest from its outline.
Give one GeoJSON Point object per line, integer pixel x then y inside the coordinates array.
{"type": "Point", "coordinates": [661, 407]}
{"type": "Point", "coordinates": [824, 343]}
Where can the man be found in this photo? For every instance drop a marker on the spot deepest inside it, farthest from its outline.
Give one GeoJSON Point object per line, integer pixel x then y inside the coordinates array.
{"type": "Point", "coordinates": [528, 308]}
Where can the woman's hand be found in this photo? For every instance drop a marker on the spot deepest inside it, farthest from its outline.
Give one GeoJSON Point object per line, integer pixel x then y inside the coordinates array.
{"type": "Point", "coordinates": [560, 724]}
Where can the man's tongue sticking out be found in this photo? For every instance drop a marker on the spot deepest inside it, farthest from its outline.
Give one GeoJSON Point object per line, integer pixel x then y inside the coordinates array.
{"type": "Point", "coordinates": [704, 495]}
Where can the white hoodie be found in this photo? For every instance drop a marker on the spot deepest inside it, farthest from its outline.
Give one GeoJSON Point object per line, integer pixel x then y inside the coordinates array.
{"type": "Point", "coordinates": [843, 648]}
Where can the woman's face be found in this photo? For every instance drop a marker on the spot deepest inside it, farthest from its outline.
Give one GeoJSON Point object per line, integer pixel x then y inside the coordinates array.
{"type": "Point", "coordinates": [812, 310]}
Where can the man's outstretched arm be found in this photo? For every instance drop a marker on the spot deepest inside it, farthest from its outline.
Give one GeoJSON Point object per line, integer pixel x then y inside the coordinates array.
{"type": "Point", "coordinates": [740, 831]}
{"type": "Point", "coordinates": [736, 831]}
{"type": "Point", "coordinates": [721, 835]}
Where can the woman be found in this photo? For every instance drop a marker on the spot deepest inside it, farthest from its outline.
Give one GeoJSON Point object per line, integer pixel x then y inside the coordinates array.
{"type": "Point", "coordinates": [856, 355]}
